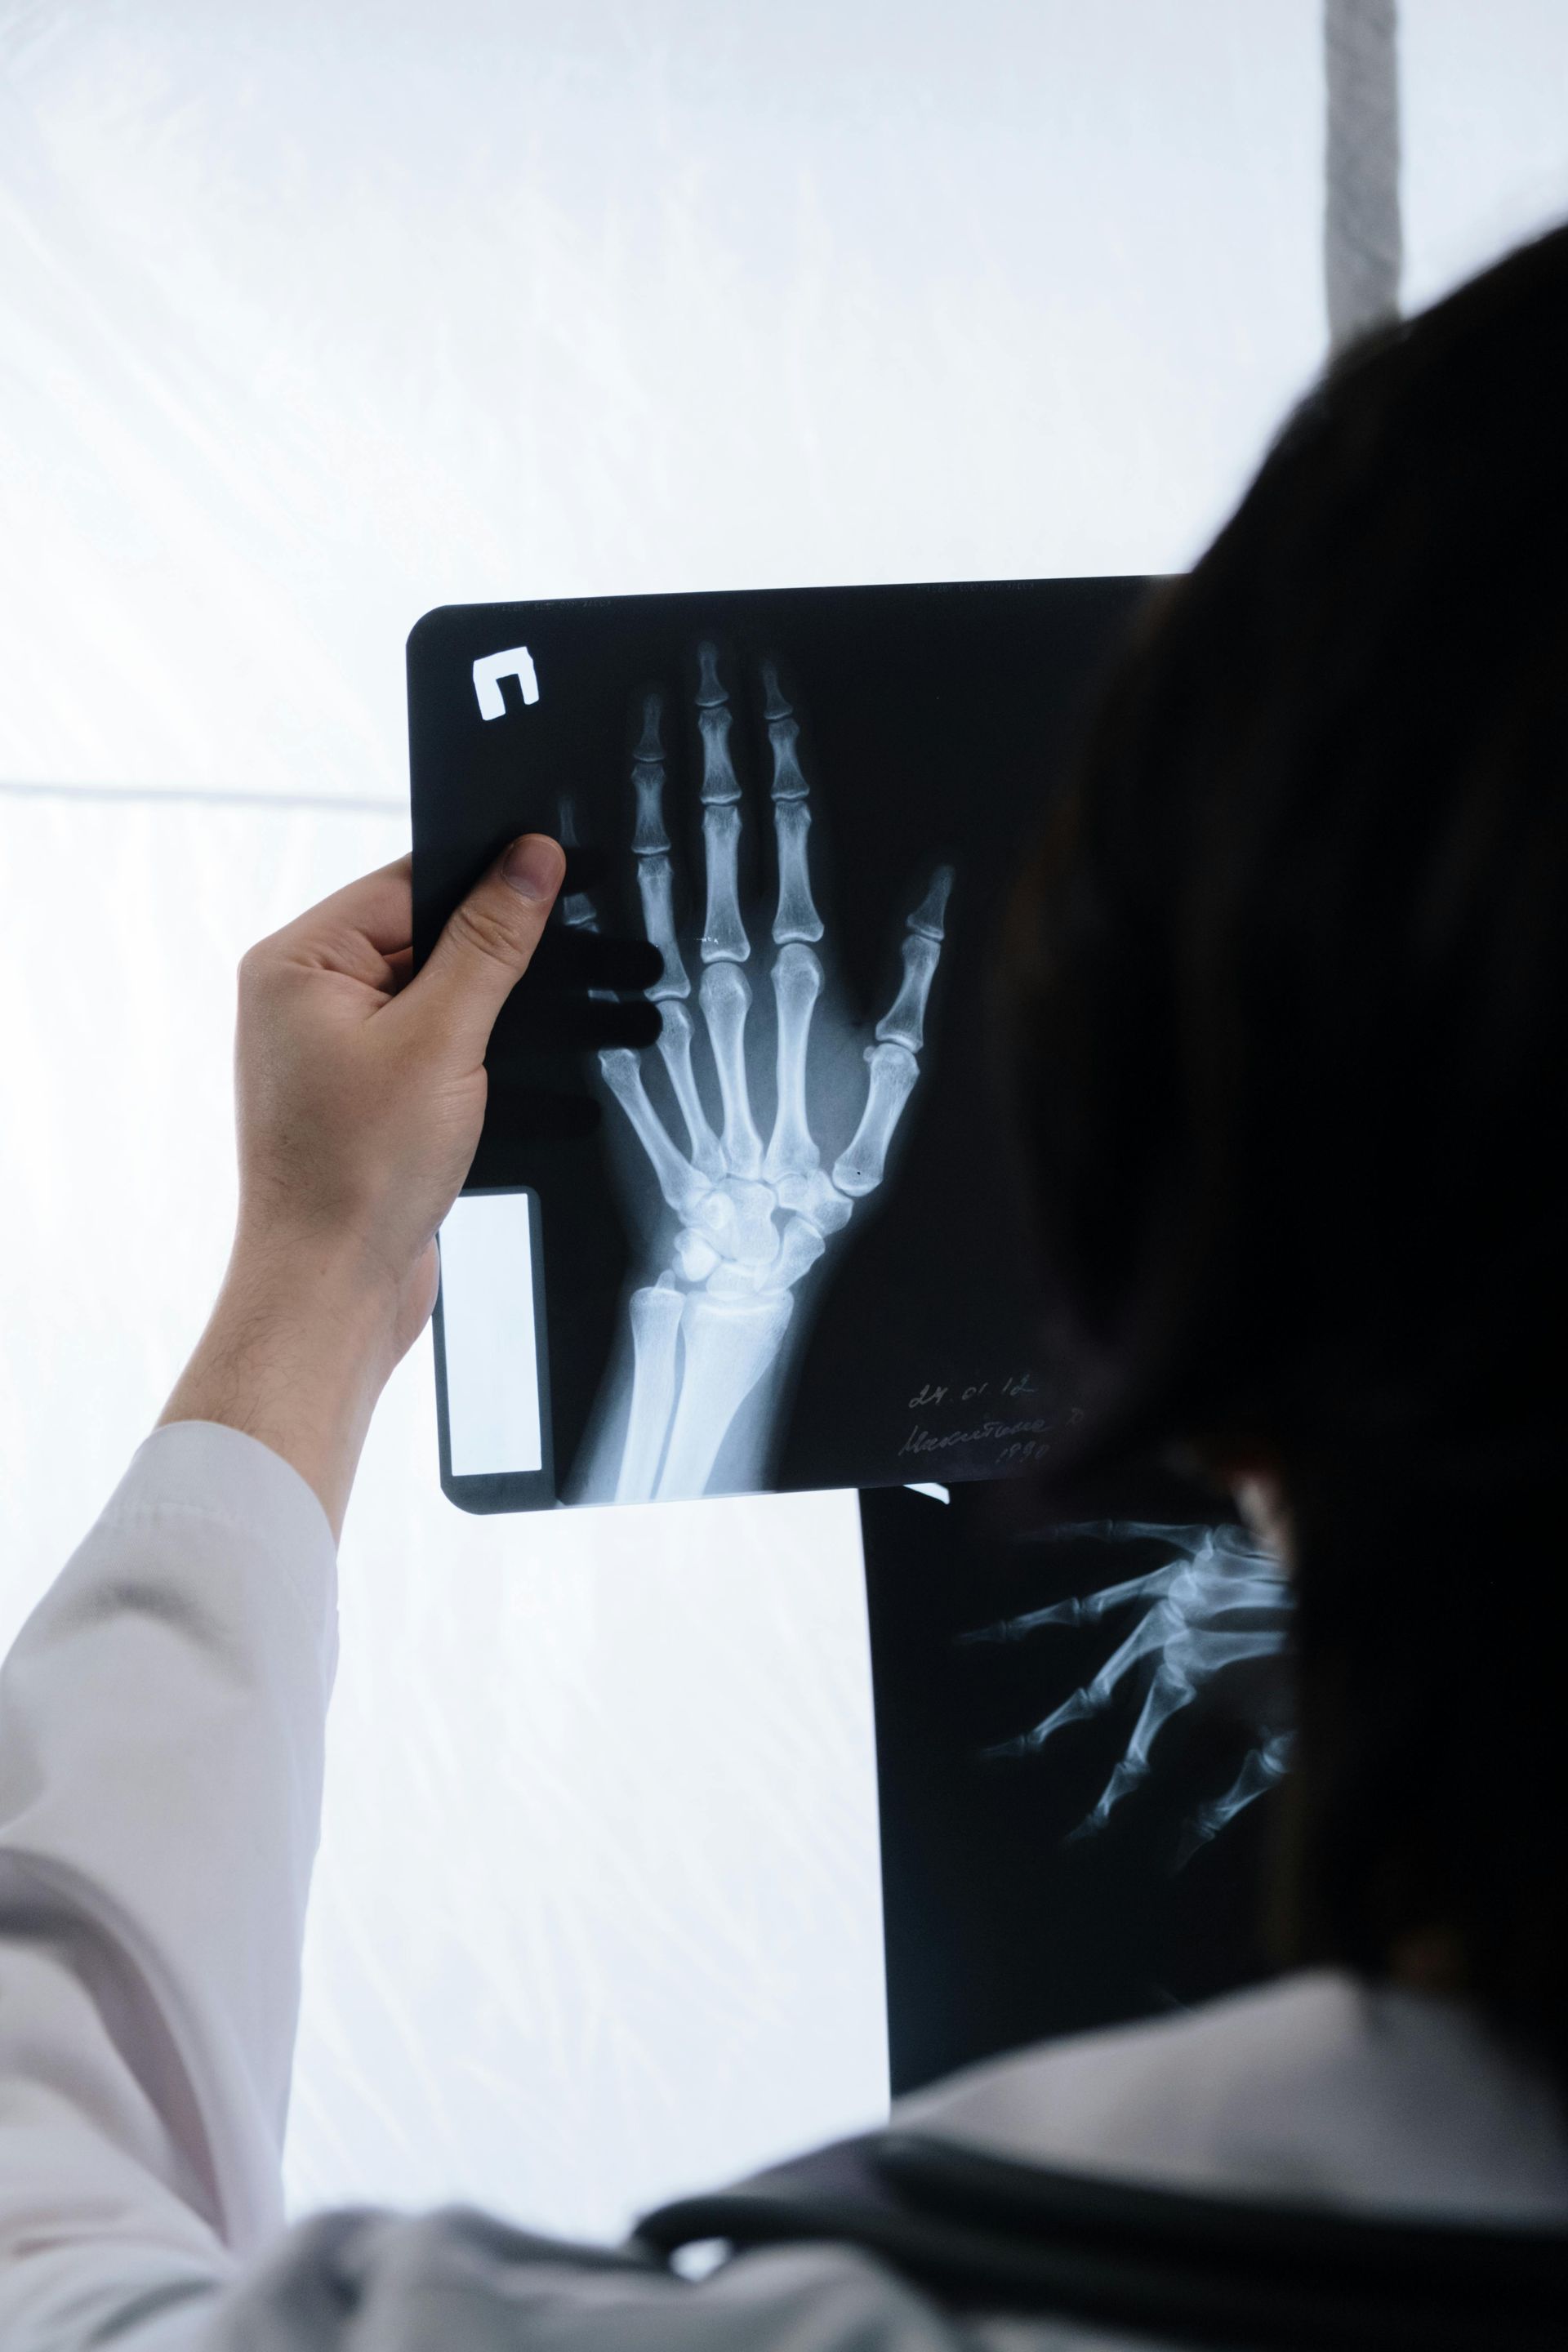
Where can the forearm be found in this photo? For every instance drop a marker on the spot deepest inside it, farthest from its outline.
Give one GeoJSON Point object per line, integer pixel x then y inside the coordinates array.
{"type": "Point", "coordinates": [297, 1351]}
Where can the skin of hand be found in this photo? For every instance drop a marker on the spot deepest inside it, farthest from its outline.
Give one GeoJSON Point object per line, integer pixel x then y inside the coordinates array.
{"type": "Point", "coordinates": [360, 1093]}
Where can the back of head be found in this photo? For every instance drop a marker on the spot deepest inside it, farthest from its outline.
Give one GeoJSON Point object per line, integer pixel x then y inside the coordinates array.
{"type": "Point", "coordinates": [1288, 988]}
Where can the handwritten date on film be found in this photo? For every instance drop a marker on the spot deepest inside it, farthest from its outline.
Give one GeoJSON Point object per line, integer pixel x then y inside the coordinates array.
{"type": "Point", "coordinates": [1014, 1437]}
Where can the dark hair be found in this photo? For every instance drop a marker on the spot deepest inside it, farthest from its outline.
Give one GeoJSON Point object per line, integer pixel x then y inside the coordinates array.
{"type": "Point", "coordinates": [1288, 990]}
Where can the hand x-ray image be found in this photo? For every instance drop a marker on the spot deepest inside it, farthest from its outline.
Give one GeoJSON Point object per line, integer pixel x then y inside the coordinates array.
{"type": "Point", "coordinates": [1081, 1725]}
{"type": "Point", "coordinates": [745, 1092]}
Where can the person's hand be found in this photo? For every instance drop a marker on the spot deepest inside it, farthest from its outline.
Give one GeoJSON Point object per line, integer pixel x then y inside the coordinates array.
{"type": "Point", "coordinates": [361, 1095]}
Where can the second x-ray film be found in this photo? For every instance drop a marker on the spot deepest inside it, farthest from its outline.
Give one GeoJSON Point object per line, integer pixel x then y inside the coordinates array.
{"type": "Point", "coordinates": [771, 1205]}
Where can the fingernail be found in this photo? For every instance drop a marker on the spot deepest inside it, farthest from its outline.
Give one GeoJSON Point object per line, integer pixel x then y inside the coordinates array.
{"type": "Point", "coordinates": [532, 866]}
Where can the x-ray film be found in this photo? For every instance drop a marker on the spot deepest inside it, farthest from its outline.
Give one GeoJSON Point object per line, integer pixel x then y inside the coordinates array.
{"type": "Point", "coordinates": [746, 1093]}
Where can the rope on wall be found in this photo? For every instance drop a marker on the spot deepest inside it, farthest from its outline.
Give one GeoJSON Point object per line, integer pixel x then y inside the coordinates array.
{"type": "Point", "coordinates": [1363, 243]}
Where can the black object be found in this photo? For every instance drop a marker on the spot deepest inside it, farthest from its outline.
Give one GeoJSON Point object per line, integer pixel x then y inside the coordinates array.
{"type": "Point", "coordinates": [935, 722]}
{"type": "Point", "coordinates": [989, 2234]}
{"type": "Point", "coordinates": [1001, 1930]}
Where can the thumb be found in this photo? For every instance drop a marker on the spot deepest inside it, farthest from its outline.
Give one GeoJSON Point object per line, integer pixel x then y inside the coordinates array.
{"type": "Point", "coordinates": [487, 946]}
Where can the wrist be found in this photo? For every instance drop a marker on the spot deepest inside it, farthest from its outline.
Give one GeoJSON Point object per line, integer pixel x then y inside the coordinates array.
{"type": "Point", "coordinates": [300, 1343]}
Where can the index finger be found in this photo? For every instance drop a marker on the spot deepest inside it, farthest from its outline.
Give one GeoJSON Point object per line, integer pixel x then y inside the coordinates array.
{"type": "Point", "coordinates": [370, 918]}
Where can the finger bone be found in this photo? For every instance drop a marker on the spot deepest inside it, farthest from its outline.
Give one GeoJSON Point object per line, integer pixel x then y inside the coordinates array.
{"type": "Point", "coordinates": [680, 1182]}
{"type": "Point", "coordinates": [675, 1046]}
{"type": "Point", "coordinates": [929, 915]}
{"type": "Point", "coordinates": [729, 1344]}
{"type": "Point", "coordinates": [798, 918]}
{"type": "Point", "coordinates": [656, 1331]}
{"type": "Point", "coordinates": [797, 985]}
{"type": "Point", "coordinates": [655, 887]}
{"type": "Point", "coordinates": [903, 1024]}
{"type": "Point", "coordinates": [724, 937]}
{"type": "Point", "coordinates": [719, 778]}
{"type": "Point", "coordinates": [576, 907]}
{"type": "Point", "coordinates": [725, 996]}
{"type": "Point", "coordinates": [860, 1165]}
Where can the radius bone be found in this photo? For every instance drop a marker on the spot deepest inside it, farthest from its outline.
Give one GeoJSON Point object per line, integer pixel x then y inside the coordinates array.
{"type": "Point", "coordinates": [861, 1165]}
{"type": "Point", "coordinates": [725, 996]}
{"type": "Point", "coordinates": [797, 985]}
{"type": "Point", "coordinates": [656, 1330]}
{"type": "Point", "coordinates": [729, 1344]}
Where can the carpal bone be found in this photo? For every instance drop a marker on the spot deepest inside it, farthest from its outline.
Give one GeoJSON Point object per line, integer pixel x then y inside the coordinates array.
{"type": "Point", "coordinates": [655, 1333]}
{"type": "Point", "coordinates": [861, 1165]}
{"type": "Point", "coordinates": [695, 1256]}
{"type": "Point", "coordinates": [797, 985]}
{"type": "Point", "coordinates": [798, 918]}
{"type": "Point", "coordinates": [724, 937]}
{"type": "Point", "coordinates": [802, 1246]}
{"type": "Point", "coordinates": [815, 1195]}
{"type": "Point", "coordinates": [678, 1181]}
{"type": "Point", "coordinates": [729, 1344]}
{"type": "Point", "coordinates": [903, 1024]}
{"type": "Point", "coordinates": [725, 996]}
{"type": "Point", "coordinates": [675, 1046]}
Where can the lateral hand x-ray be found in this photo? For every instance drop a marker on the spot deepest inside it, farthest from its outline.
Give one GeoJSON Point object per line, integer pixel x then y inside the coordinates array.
{"type": "Point", "coordinates": [743, 1214]}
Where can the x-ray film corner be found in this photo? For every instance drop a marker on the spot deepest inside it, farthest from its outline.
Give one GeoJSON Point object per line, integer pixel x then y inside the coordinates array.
{"type": "Point", "coordinates": [778, 1252]}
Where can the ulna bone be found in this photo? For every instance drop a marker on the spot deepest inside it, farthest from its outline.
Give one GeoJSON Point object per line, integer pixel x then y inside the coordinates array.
{"type": "Point", "coordinates": [656, 1330]}
{"type": "Point", "coordinates": [861, 1165]}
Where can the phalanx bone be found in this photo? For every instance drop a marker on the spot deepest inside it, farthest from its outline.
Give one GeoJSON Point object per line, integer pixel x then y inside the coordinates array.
{"type": "Point", "coordinates": [752, 1218]}
{"type": "Point", "coordinates": [1220, 1599]}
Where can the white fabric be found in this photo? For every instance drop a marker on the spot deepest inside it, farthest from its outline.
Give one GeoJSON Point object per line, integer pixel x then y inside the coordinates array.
{"type": "Point", "coordinates": [161, 1743]}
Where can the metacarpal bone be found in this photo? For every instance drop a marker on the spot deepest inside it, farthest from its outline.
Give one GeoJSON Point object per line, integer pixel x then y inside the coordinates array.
{"type": "Point", "coordinates": [724, 937]}
{"type": "Point", "coordinates": [680, 1182]}
{"type": "Point", "coordinates": [860, 1165]}
{"type": "Point", "coordinates": [798, 918]}
{"type": "Point", "coordinates": [725, 996]}
{"type": "Point", "coordinates": [656, 1332]}
{"type": "Point", "coordinates": [675, 1046]}
{"type": "Point", "coordinates": [729, 1343]}
{"type": "Point", "coordinates": [797, 985]}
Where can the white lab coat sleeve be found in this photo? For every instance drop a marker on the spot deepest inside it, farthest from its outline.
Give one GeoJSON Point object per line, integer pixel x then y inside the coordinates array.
{"type": "Point", "coordinates": [161, 1720]}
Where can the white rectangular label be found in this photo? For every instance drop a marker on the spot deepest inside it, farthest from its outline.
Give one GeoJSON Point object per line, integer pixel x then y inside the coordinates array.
{"type": "Point", "coordinates": [487, 1336]}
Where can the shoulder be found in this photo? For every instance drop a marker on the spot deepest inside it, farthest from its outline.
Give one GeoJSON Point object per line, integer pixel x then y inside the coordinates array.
{"type": "Point", "coordinates": [1317, 2086]}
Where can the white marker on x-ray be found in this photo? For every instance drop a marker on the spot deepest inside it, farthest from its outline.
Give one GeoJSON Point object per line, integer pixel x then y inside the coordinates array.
{"type": "Point", "coordinates": [489, 672]}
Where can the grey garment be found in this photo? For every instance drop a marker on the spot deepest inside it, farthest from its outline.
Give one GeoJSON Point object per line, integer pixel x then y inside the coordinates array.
{"type": "Point", "coordinates": [462, 2282]}
{"type": "Point", "coordinates": [1363, 234]}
